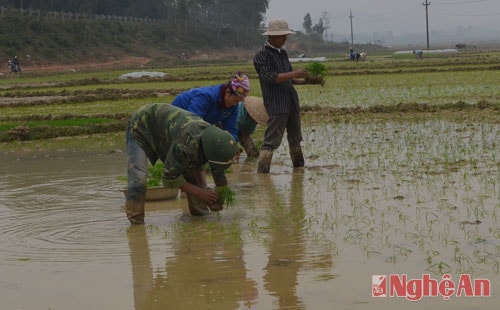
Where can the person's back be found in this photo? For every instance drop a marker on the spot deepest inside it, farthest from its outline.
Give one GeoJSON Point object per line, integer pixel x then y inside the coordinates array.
{"type": "Point", "coordinates": [217, 105]}
{"type": "Point", "coordinates": [184, 143]}
{"type": "Point", "coordinates": [157, 126]}
{"type": "Point", "coordinates": [245, 123]}
{"type": "Point", "coordinates": [202, 101]}
{"type": "Point", "coordinates": [250, 113]}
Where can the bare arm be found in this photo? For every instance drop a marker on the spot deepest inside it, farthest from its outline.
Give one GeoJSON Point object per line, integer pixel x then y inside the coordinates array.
{"type": "Point", "coordinates": [295, 76]}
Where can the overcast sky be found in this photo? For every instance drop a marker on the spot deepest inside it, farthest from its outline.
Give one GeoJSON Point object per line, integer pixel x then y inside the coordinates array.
{"type": "Point", "coordinates": [398, 16]}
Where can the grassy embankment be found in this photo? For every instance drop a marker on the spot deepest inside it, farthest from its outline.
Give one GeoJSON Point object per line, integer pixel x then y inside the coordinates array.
{"type": "Point", "coordinates": [87, 104]}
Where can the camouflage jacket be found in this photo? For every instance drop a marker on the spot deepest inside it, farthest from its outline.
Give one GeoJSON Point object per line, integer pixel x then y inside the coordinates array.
{"type": "Point", "coordinates": [173, 136]}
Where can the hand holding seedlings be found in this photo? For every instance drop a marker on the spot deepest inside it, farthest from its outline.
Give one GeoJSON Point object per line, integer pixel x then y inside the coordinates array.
{"type": "Point", "coordinates": [317, 70]}
{"type": "Point", "coordinates": [225, 197]}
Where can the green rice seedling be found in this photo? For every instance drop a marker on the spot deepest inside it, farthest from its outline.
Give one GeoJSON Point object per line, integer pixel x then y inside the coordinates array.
{"type": "Point", "coordinates": [226, 195]}
{"type": "Point", "coordinates": [153, 228]}
{"type": "Point", "coordinates": [254, 228]}
{"type": "Point", "coordinates": [155, 175]}
{"type": "Point", "coordinates": [430, 254]}
{"type": "Point", "coordinates": [439, 268]}
{"type": "Point", "coordinates": [316, 72]}
{"type": "Point", "coordinates": [316, 69]}
{"type": "Point", "coordinates": [154, 178]}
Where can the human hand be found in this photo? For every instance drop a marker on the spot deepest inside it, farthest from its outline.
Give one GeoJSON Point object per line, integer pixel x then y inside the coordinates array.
{"type": "Point", "coordinates": [226, 195]}
{"type": "Point", "coordinates": [314, 80]}
{"type": "Point", "coordinates": [219, 204]}
{"type": "Point", "coordinates": [236, 157]}
{"type": "Point", "coordinates": [216, 206]}
{"type": "Point", "coordinates": [208, 196]}
{"type": "Point", "coordinates": [301, 73]}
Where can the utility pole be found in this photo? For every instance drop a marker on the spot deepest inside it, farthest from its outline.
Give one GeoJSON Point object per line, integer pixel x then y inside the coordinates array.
{"type": "Point", "coordinates": [352, 34]}
{"type": "Point", "coordinates": [326, 22]}
{"type": "Point", "coordinates": [426, 4]}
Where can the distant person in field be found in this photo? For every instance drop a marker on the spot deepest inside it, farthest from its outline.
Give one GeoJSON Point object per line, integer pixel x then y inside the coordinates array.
{"type": "Point", "coordinates": [352, 55]}
{"type": "Point", "coordinates": [419, 53]}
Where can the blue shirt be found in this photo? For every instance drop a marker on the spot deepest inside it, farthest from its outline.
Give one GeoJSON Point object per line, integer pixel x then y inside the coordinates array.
{"type": "Point", "coordinates": [206, 102]}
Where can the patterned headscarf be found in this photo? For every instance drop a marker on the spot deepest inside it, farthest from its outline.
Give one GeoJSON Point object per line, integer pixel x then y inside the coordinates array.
{"type": "Point", "coordinates": [240, 85]}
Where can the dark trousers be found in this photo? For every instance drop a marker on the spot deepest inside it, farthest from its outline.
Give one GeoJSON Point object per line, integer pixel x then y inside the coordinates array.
{"type": "Point", "coordinates": [276, 127]}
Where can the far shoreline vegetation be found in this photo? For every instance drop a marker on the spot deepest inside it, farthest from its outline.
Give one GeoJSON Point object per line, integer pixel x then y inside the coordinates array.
{"type": "Point", "coordinates": [42, 38]}
{"type": "Point", "coordinates": [161, 33]}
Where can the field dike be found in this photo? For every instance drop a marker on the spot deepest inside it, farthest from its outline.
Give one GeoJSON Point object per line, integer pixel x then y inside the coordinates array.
{"type": "Point", "coordinates": [36, 106]}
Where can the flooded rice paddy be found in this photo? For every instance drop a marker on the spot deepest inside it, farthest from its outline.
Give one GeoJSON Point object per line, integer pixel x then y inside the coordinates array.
{"type": "Point", "coordinates": [375, 198]}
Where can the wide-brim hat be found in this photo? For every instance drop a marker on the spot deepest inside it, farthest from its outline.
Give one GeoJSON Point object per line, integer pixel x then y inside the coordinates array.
{"type": "Point", "coordinates": [255, 107]}
{"type": "Point", "coordinates": [278, 27]}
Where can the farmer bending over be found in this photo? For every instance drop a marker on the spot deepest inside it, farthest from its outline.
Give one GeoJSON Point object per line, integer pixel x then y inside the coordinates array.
{"type": "Point", "coordinates": [217, 105]}
{"type": "Point", "coordinates": [419, 53]}
{"type": "Point", "coordinates": [250, 113]}
{"type": "Point", "coordinates": [184, 143]}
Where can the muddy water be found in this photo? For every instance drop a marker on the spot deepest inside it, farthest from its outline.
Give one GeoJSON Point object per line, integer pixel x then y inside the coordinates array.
{"type": "Point", "coordinates": [375, 199]}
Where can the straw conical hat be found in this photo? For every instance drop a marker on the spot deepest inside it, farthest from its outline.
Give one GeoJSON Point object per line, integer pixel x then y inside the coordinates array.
{"type": "Point", "coordinates": [255, 107]}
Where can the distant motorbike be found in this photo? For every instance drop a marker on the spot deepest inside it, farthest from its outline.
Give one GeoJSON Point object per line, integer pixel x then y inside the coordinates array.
{"type": "Point", "coordinates": [14, 66]}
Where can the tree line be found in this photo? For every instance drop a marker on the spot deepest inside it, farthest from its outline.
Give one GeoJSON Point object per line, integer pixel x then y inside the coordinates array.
{"type": "Point", "coordinates": [80, 28]}
{"type": "Point", "coordinates": [241, 14]}
{"type": "Point", "coordinates": [245, 16]}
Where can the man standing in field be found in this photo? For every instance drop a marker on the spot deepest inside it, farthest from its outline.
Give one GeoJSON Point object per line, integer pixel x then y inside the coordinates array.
{"type": "Point", "coordinates": [280, 97]}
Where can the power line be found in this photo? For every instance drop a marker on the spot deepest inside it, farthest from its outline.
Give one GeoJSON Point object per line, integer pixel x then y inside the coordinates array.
{"type": "Point", "coordinates": [460, 2]}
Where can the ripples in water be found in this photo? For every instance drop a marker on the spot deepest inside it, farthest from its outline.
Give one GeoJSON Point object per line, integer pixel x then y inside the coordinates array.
{"type": "Point", "coordinates": [62, 210]}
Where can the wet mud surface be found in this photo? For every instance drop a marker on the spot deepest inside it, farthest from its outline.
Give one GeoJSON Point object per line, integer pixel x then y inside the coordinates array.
{"type": "Point", "coordinates": [377, 198]}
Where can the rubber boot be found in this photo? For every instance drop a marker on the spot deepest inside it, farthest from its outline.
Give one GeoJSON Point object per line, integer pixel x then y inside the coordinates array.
{"type": "Point", "coordinates": [246, 141]}
{"type": "Point", "coordinates": [297, 156]}
{"type": "Point", "coordinates": [135, 209]}
{"type": "Point", "coordinates": [265, 158]}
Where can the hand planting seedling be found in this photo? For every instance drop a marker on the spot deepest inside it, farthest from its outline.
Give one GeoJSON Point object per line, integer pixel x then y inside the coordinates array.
{"type": "Point", "coordinates": [226, 197]}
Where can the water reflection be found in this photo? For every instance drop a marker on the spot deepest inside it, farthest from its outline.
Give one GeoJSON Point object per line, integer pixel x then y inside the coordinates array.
{"type": "Point", "coordinates": [200, 272]}
{"type": "Point", "coordinates": [286, 245]}
{"type": "Point", "coordinates": [377, 198]}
